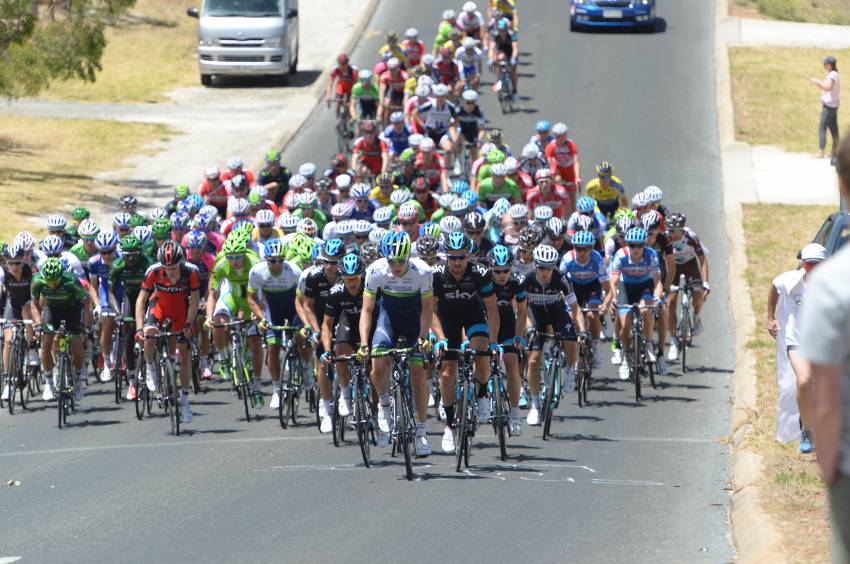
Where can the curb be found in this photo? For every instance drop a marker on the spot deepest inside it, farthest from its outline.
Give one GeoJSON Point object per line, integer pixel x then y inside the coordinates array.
{"type": "Point", "coordinates": [753, 533]}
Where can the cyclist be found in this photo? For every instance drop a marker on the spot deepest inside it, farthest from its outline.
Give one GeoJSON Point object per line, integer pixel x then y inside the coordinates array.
{"type": "Point", "coordinates": [427, 248]}
{"type": "Point", "coordinates": [314, 286]}
{"type": "Point", "coordinates": [214, 190]}
{"type": "Point", "coordinates": [562, 154]}
{"type": "Point", "coordinates": [542, 136]}
{"type": "Point", "coordinates": [395, 136]}
{"type": "Point", "coordinates": [470, 59]}
{"type": "Point", "coordinates": [345, 75]}
{"type": "Point", "coordinates": [391, 89]}
{"type": "Point", "coordinates": [691, 261]}
{"type": "Point", "coordinates": [470, 125]}
{"type": "Point", "coordinates": [607, 190]}
{"type": "Point", "coordinates": [369, 152]}
{"type": "Point", "coordinates": [432, 165]}
{"type": "Point", "coordinates": [364, 98]}
{"type": "Point", "coordinates": [99, 266]}
{"type": "Point", "coordinates": [405, 310]}
{"type": "Point", "coordinates": [585, 268]}
{"type": "Point", "coordinates": [504, 9]}
{"type": "Point", "coordinates": [392, 49]}
{"type": "Point", "coordinates": [274, 177]}
{"type": "Point", "coordinates": [465, 306]}
{"type": "Point", "coordinates": [52, 246]}
{"type": "Point", "coordinates": [56, 225]}
{"type": "Point", "coordinates": [413, 47]}
{"type": "Point", "coordinates": [510, 297]}
{"type": "Point", "coordinates": [234, 265]}
{"type": "Point", "coordinates": [472, 23]}
{"type": "Point", "coordinates": [170, 291]}
{"type": "Point", "coordinates": [199, 256]}
{"type": "Point", "coordinates": [547, 193]}
{"type": "Point", "coordinates": [58, 296]}
{"type": "Point", "coordinates": [637, 268]}
{"type": "Point", "coordinates": [499, 186]}
{"type": "Point", "coordinates": [473, 225]}
{"type": "Point", "coordinates": [658, 240]}
{"type": "Point", "coordinates": [77, 217]}
{"type": "Point", "coordinates": [504, 49]}
{"type": "Point", "coordinates": [551, 303]}
{"type": "Point", "coordinates": [16, 278]}
{"type": "Point", "coordinates": [447, 69]}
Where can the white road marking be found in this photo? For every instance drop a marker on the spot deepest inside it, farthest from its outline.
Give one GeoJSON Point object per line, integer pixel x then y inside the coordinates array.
{"type": "Point", "coordinates": [612, 482]}
{"type": "Point", "coordinates": [9, 559]}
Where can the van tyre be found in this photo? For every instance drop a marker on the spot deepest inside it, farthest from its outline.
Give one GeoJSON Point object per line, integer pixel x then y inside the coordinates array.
{"type": "Point", "coordinates": [206, 79]}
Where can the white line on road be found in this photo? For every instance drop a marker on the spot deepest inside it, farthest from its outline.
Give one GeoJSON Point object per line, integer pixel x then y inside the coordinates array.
{"type": "Point", "coordinates": [605, 482]}
{"type": "Point", "coordinates": [9, 559]}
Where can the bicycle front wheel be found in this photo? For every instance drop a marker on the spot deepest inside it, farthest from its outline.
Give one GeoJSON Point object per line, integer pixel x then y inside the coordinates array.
{"type": "Point", "coordinates": [500, 415]}
{"type": "Point", "coordinates": [241, 382]}
{"type": "Point", "coordinates": [462, 427]}
{"type": "Point", "coordinates": [549, 399]}
{"type": "Point", "coordinates": [403, 422]}
{"type": "Point", "coordinates": [637, 364]}
{"type": "Point", "coordinates": [336, 419]}
{"type": "Point", "coordinates": [362, 417]}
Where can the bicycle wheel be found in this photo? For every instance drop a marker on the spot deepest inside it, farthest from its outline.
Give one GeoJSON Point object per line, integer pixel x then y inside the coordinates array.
{"type": "Point", "coordinates": [582, 378]}
{"type": "Point", "coordinates": [650, 368]}
{"type": "Point", "coordinates": [404, 438]}
{"type": "Point", "coordinates": [336, 420]}
{"type": "Point", "coordinates": [500, 415]}
{"type": "Point", "coordinates": [23, 377]}
{"type": "Point", "coordinates": [62, 395]}
{"type": "Point", "coordinates": [461, 425]}
{"type": "Point", "coordinates": [362, 417]}
{"type": "Point", "coordinates": [196, 374]}
{"type": "Point", "coordinates": [241, 381]}
{"type": "Point", "coordinates": [10, 385]}
{"type": "Point", "coordinates": [549, 400]}
{"type": "Point", "coordinates": [167, 392]}
{"type": "Point", "coordinates": [637, 364]}
{"type": "Point", "coordinates": [684, 335]}
{"type": "Point", "coordinates": [285, 405]}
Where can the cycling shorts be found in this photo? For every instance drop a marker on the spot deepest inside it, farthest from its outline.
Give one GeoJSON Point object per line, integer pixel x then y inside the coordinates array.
{"type": "Point", "coordinates": [608, 208]}
{"type": "Point", "coordinates": [388, 331]}
{"type": "Point", "coordinates": [229, 307]}
{"type": "Point", "coordinates": [368, 109]}
{"type": "Point", "coordinates": [152, 319]}
{"type": "Point", "coordinates": [12, 313]}
{"type": "Point", "coordinates": [635, 293]}
{"type": "Point", "coordinates": [588, 294]}
{"type": "Point", "coordinates": [560, 321]}
{"type": "Point", "coordinates": [55, 316]}
{"type": "Point", "coordinates": [690, 269]}
{"type": "Point", "coordinates": [468, 71]}
{"type": "Point", "coordinates": [472, 324]}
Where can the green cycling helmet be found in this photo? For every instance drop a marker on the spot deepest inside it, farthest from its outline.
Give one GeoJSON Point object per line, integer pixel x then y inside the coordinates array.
{"type": "Point", "coordinates": [623, 212]}
{"type": "Point", "coordinates": [52, 269]}
{"type": "Point", "coordinates": [254, 198]}
{"type": "Point", "coordinates": [130, 244]}
{"type": "Point", "coordinates": [80, 214]}
{"type": "Point", "coordinates": [273, 156]}
{"type": "Point", "coordinates": [235, 245]}
{"type": "Point", "coordinates": [4, 249]}
{"type": "Point", "coordinates": [495, 156]}
{"type": "Point", "coordinates": [181, 191]}
{"type": "Point", "coordinates": [161, 228]}
{"type": "Point", "coordinates": [137, 220]}
{"type": "Point", "coordinates": [301, 245]}
{"type": "Point", "coordinates": [407, 155]}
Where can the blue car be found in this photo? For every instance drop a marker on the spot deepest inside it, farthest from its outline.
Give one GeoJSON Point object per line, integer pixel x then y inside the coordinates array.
{"type": "Point", "coordinates": [612, 13]}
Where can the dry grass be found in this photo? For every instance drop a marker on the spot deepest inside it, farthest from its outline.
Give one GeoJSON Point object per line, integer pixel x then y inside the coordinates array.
{"type": "Point", "coordinates": [792, 489]}
{"type": "Point", "coordinates": [817, 11]}
{"type": "Point", "coordinates": [773, 100]}
{"type": "Point", "coordinates": [150, 51]}
{"type": "Point", "coordinates": [48, 165]}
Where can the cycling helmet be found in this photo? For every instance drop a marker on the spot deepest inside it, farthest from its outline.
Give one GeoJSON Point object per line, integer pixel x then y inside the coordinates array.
{"type": "Point", "coordinates": [106, 241]}
{"type": "Point", "coordinates": [88, 229]}
{"type": "Point", "coordinates": [400, 196]}
{"type": "Point", "coordinates": [474, 221]}
{"type": "Point", "coordinates": [499, 169]}
{"type": "Point", "coordinates": [342, 59]}
{"type": "Point", "coordinates": [382, 216]}
{"type": "Point", "coordinates": [307, 170]}
{"type": "Point", "coordinates": [408, 212]}
{"type": "Point", "coordinates": [396, 117]}
{"type": "Point", "coordinates": [323, 184]}
{"type": "Point", "coordinates": [297, 180]}
{"type": "Point", "coordinates": [258, 194]}
{"type": "Point", "coordinates": [459, 207]}
{"type": "Point", "coordinates": [351, 265]}
{"type": "Point", "coordinates": [181, 192]}
{"type": "Point", "coordinates": [393, 63]}
{"type": "Point", "coordinates": [555, 228]}
{"type": "Point", "coordinates": [502, 24]}
{"type": "Point", "coordinates": [560, 129]}
{"type": "Point", "coordinates": [79, 214]}
{"type": "Point", "coordinates": [333, 250]}
{"type": "Point", "coordinates": [157, 213]}
{"type": "Point", "coordinates": [26, 240]}
{"type": "Point", "coordinates": [52, 269]}
{"type": "Point", "coordinates": [439, 90]}
{"type": "Point", "coordinates": [345, 228]}
{"type": "Point", "coordinates": [530, 151]}
{"type": "Point", "coordinates": [274, 248]}
{"type": "Point", "coordinates": [184, 206]}
{"type": "Point", "coordinates": [308, 227]}
{"type": "Point", "coordinates": [604, 169]}
{"type": "Point", "coordinates": [411, 33]}
{"type": "Point", "coordinates": [469, 95]}
{"type": "Point", "coordinates": [542, 173]}
{"type": "Point", "coordinates": [234, 245]}
{"type": "Point", "coordinates": [501, 207]}
{"type": "Point", "coordinates": [639, 201]}
{"type": "Point", "coordinates": [586, 204]}
{"type": "Point", "coordinates": [137, 220]}
{"type": "Point", "coordinates": [530, 236]}
{"type": "Point", "coordinates": [495, 156]}
{"type": "Point", "coordinates": [195, 239]}
{"type": "Point", "coordinates": [384, 179]}
{"type": "Point", "coordinates": [130, 244]}
{"type": "Point", "coordinates": [511, 165]}
{"type": "Point", "coordinates": [121, 221]}
{"type": "Point", "coordinates": [422, 91]}
{"type": "Point", "coordinates": [212, 172]}
{"type": "Point", "coordinates": [583, 239]}
{"type": "Point", "coordinates": [545, 256]}
{"type": "Point", "coordinates": [241, 207]}
{"type": "Point", "coordinates": [542, 126]}
{"type": "Point", "coordinates": [180, 221]}
{"type": "Point", "coordinates": [288, 223]}
{"type": "Point", "coordinates": [585, 223]}
{"type": "Point", "coordinates": [519, 211]}
{"type": "Point", "coordinates": [361, 227]}
{"type": "Point", "coordinates": [471, 198]}
{"type": "Point", "coordinates": [369, 252]}
{"type": "Point", "coordinates": [429, 228]}
{"type": "Point", "coordinates": [653, 194]}
{"type": "Point", "coordinates": [450, 224]}
{"type": "Point", "coordinates": [316, 253]}
{"type": "Point", "coordinates": [170, 253]}
{"type": "Point", "coordinates": [457, 241]}
{"type": "Point", "coordinates": [343, 181]}
{"type": "Point", "coordinates": [459, 186]}
{"type": "Point", "coordinates": [651, 220]}
{"type": "Point", "coordinates": [396, 245]}
{"type": "Point", "coordinates": [52, 245]}
{"type": "Point", "coordinates": [624, 224]}
{"type": "Point", "coordinates": [445, 200]}
{"type": "Point", "coordinates": [543, 213]}
{"type": "Point", "coordinates": [341, 210]}
{"type": "Point", "coordinates": [636, 235]}
{"type": "Point", "coordinates": [624, 212]}
{"type": "Point", "coordinates": [500, 256]}
{"type": "Point", "coordinates": [449, 15]}
{"type": "Point", "coordinates": [301, 247]}
{"type": "Point", "coordinates": [364, 75]}
{"type": "Point", "coordinates": [307, 200]}
{"type": "Point", "coordinates": [16, 251]}
{"type": "Point", "coordinates": [359, 192]}
{"type": "Point", "coordinates": [238, 182]}
{"type": "Point", "coordinates": [377, 235]}
{"type": "Point", "coordinates": [469, 7]}
{"type": "Point", "coordinates": [129, 201]}
{"type": "Point", "coordinates": [676, 220]}
{"type": "Point", "coordinates": [56, 223]}
{"type": "Point", "coordinates": [427, 246]}
{"type": "Point", "coordinates": [495, 135]}
{"type": "Point", "coordinates": [143, 233]}
{"type": "Point", "coordinates": [235, 163]}
{"type": "Point", "coordinates": [264, 218]}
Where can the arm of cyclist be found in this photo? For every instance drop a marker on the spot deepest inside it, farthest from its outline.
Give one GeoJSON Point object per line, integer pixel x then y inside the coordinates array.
{"type": "Point", "coordinates": [425, 316]}
{"type": "Point", "coordinates": [437, 329]}
{"type": "Point", "coordinates": [35, 310]}
{"type": "Point", "coordinates": [366, 311]}
{"type": "Point", "coordinates": [614, 286]}
{"type": "Point", "coordinates": [212, 298]}
{"type": "Point", "coordinates": [608, 290]}
{"type": "Point", "coordinates": [493, 320]}
{"type": "Point", "coordinates": [328, 330]}
{"type": "Point", "coordinates": [671, 271]}
{"type": "Point", "coordinates": [307, 314]}
{"type": "Point", "coordinates": [703, 266]}
{"type": "Point", "coordinates": [141, 304]}
{"type": "Point", "coordinates": [578, 318]}
{"type": "Point", "coordinates": [255, 307]}
{"type": "Point", "coordinates": [659, 287]}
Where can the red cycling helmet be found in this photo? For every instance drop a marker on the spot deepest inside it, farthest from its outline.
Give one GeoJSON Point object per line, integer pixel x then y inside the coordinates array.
{"type": "Point", "coordinates": [342, 59]}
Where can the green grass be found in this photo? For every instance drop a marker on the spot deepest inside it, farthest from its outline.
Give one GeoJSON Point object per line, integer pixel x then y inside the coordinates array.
{"type": "Point", "coordinates": [48, 165]}
{"type": "Point", "coordinates": [792, 490]}
{"type": "Point", "coordinates": [149, 52]}
{"type": "Point", "coordinates": [815, 11]}
{"type": "Point", "coordinates": [773, 100]}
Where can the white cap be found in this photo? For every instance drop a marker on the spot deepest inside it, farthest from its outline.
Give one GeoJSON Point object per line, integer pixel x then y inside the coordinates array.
{"type": "Point", "coordinates": [813, 252]}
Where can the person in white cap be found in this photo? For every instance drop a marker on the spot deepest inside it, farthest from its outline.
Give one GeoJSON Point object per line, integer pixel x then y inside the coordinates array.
{"type": "Point", "coordinates": [784, 306]}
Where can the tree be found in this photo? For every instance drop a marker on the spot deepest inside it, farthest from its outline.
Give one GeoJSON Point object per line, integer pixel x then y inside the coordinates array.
{"type": "Point", "coordinates": [45, 40]}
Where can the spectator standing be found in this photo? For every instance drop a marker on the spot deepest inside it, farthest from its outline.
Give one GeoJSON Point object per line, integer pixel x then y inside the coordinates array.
{"type": "Point", "coordinates": [829, 97]}
{"type": "Point", "coordinates": [784, 306]}
{"type": "Point", "coordinates": [826, 345]}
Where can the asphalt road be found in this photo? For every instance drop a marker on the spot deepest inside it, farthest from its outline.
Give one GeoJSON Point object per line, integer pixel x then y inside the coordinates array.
{"type": "Point", "coordinates": [619, 481]}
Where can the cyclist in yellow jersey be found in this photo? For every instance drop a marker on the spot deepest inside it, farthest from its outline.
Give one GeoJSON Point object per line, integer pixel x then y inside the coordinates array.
{"type": "Point", "coordinates": [384, 187]}
{"type": "Point", "coordinates": [393, 48]}
{"type": "Point", "coordinates": [607, 190]}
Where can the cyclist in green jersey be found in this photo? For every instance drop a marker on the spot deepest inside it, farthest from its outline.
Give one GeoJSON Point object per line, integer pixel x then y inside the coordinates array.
{"type": "Point", "coordinates": [364, 99]}
{"type": "Point", "coordinates": [58, 296]}
{"type": "Point", "coordinates": [84, 248]}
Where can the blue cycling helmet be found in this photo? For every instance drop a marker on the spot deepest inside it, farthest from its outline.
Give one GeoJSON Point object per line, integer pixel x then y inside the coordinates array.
{"type": "Point", "coordinates": [636, 235]}
{"type": "Point", "coordinates": [351, 265]}
{"type": "Point", "coordinates": [197, 202]}
{"type": "Point", "coordinates": [334, 250]}
{"type": "Point", "coordinates": [52, 245]}
{"type": "Point", "coordinates": [106, 241]}
{"type": "Point", "coordinates": [121, 220]}
{"type": "Point", "coordinates": [585, 204]}
{"type": "Point", "coordinates": [180, 221]}
{"type": "Point", "coordinates": [317, 249]}
{"type": "Point", "coordinates": [457, 241]}
{"type": "Point", "coordinates": [503, 24]}
{"type": "Point", "coordinates": [460, 186]}
{"type": "Point", "coordinates": [274, 248]}
{"type": "Point", "coordinates": [429, 228]}
{"type": "Point", "coordinates": [471, 198]}
{"type": "Point", "coordinates": [396, 245]}
{"type": "Point", "coordinates": [500, 256]}
{"type": "Point", "coordinates": [243, 225]}
{"type": "Point", "coordinates": [360, 191]}
{"type": "Point", "coordinates": [184, 206]}
{"type": "Point", "coordinates": [583, 239]}
{"type": "Point", "coordinates": [196, 239]}
{"type": "Point", "coordinates": [543, 125]}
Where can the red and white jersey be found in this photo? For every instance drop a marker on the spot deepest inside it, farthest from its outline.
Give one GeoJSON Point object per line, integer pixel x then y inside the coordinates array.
{"type": "Point", "coordinates": [555, 199]}
{"type": "Point", "coordinates": [470, 23]}
{"type": "Point", "coordinates": [561, 156]}
{"type": "Point", "coordinates": [413, 50]}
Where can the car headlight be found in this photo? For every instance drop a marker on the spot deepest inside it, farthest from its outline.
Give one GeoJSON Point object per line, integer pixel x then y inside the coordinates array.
{"type": "Point", "coordinates": [208, 42]}
{"type": "Point", "coordinates": [272, 41]}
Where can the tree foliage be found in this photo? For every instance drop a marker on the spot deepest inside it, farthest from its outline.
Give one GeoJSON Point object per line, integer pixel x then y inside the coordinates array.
{"type": "Point", "coordinates": [45, 40]}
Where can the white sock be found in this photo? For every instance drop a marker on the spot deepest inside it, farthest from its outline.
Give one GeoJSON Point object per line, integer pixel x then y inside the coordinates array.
{"type": "Point", "coordinates": [535, 401]}
{"type": "Point", "coordinates": [276, 386]}
{"type": "Point", "coordinates": [515, 411]}
{"type": "Point", "coordinates": [345, 392]}
{"type": "Point", "coordinates": [151, 369]}
{"type": "Point", "coordinates": [327, 404]}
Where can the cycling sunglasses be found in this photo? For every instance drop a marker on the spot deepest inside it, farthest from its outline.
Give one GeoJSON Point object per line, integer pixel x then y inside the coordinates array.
{"type": "Point", "coordinates": [14, 262]}
{"type": "Point", "coordinates": [407, 223]}
{"type": "Point", "coordinates": [500, 270]}
{"type": "Point", "coordinates": [234, 257]}
{"type": "Point", "coordinates": [275, 260]}
{"type": "Point", "coordinates": [636, 245]}
{"type": "Point", "coordinates": [582, 249]}
{"type": "Point", "coordinates": [456, 257]}
{"type": "Point", "coordinates": [397, 262]}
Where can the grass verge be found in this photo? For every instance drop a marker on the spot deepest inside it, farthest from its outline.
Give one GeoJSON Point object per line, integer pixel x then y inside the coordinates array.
{"type": "Point", "coordinates": [773, 100]}
{"type": "Point", "coordinates": [792, 491]}
{"type": "Point", "coordinates": [48, 165]}
{"type": "Point", "coordinates": [815, 11]}
{"type": "Point", "coordinates": [150, 51]}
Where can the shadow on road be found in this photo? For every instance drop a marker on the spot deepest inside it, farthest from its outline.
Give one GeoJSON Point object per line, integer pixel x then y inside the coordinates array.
{"type": "Point", "coordinates": [660, 27]}
{"type": "Point", "coordinates": [303, 78]}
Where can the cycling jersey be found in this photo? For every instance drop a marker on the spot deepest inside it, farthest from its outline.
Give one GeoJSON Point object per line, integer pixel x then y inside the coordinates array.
{"type": "Point", "coordinates": [469, 60]}
{"type": "Point", "coordinates": [432, 170]}
{"type": "Point", "coordinates": [170, 300]}
{"type": "Point", "coordinates": [16, 292]}
{"type": "Point", "coordinates": [541, 142]}
{"type": "Point", "coordinates": [395, 51]}
{"type": "Point", "coordinates": [489, 192]}
{"type": "Point", "coordinates": [547, 305]}
{"type": "Point", "coordinates": [447, 70]}
{"type": "Point", "coordinates": [367, 97]}
{"type": "Point", "coordinates": [345, 79]}
{"type": "Point", "coordinates": [505, 296]}
{"type": "Point", "coordinates": [436, 117]}
{"type": "Point", "coordinates": [370, 153]}
{"type": "Point", "coordinates": [581, 274]}
{"type": "Point", "coordinates": [471, 24]}
{"type": "Point", "coordinates": [562, 158]}
{"type": "Point", "coordinates": [598, 225]}
{"type": "Point", "coordinates": [400, 301]}
{"type": "Point", "coordinates": [237, 279]}
{"type": "Point", "coordinates": [603, 195]}
{"type": "Point", "coordinates": [68, 295]}
{"type": "Point", "coordinates": [205, 267]}
{"type": "Point", "coordinates": [128, 280]}
{"type": "Point", "coordinates": [504, 43]}
{"type": "Point", "coordinates": [470, 123]}
{"type": "Point", "coordinates": [394, 87]}
{"type": "Point", "coordinates": [344, 309]}
{"type": "Point", "coordinates": [99, 270]}
{"type": "Point", "coordinates": [276, 292]}
{"type": "Point", "coordinates": [79, 250]}
{"type": "Point", "coordinates": [314, 284]}
{"type": "Point", "coordinates": [687, 248]}
{"type": "Point", "coordinates": [413, 51]}
{"type": "Point", "coordinates": [460, 308]}
{"type": "Point", "coordinates": [635, 272]}
{"type": "Point", "coordinates": [555, 199]}
{"type": "Point", "coordinates": [397, 139]}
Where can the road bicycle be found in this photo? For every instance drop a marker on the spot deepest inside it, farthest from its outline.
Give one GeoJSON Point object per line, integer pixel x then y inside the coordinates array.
{"type": "Point", "coordinates": [65, 384]}
{"type": "Point", "coordinates": [169, 391]}
{"type": "Point", "coordinates": [123, 330]}
{"type": "Point", "coordinates": [403, 432]}
{"type": "Point", "coordinates": [20, 377]}
{"type": "Point", "coordinates": [466, 406]}
{"type": "Point", "coordinates": [554, 362]}
{"type": "Point", "coordinates": [500, 405]}
{"type": "Point", "coordinates": [636, 355]}
{"type": "Point", "coordinates": [344, 131]}
{"type": "Point", "coordinates": [685, 324]}
{"type": "Point", "coordinates": [291, 376]}
{"type": "Point", "coordinates": [584, 368]}
{"type": "Point", "coordinates": [504, 87]}
{"type": "Point", "coordinates": [238, 364]}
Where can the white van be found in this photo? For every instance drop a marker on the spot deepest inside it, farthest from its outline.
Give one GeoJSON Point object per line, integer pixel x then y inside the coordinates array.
{"type": "Point", "coordinates": [247, 37]}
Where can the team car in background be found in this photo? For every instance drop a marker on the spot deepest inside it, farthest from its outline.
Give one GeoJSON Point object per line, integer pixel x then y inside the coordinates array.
{"type": "Point", "coordinates": [612, 13]}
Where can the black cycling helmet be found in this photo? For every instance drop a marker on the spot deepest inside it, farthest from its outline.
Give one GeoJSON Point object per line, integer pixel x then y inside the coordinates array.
{"type": "Point", "coordinates": [530, 236]}
{"type": "Point", "coordinates": [427, 246]}
{"type": "Point", "coordinates": [676, 220]}
{"type": "Point", "coordinates": [474, 221]}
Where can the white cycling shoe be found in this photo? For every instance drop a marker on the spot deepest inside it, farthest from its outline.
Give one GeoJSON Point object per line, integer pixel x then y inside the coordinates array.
{"type": "Point", "coordinates": [421, 444]}
{"type": "Point", "coordinates": [326, 426]}
{"type": "Point", "coordinates": [617, 356]}
{"type": "Point", "coordinates": [275, 401]}
{"type": "Point", "coordinates": [533, 417]}
{"type": "Point", "coordinates": [343, 408]}
{"type": "Point", "coordinates": [448, 442]}
{"type": "Point", "coordinates": [673, 351]}
{"type": "Point", "coordinates": [624, 371]}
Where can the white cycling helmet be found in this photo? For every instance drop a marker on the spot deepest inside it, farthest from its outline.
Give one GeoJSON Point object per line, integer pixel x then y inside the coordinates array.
{"type": "Point", "coordinates": [545, 256]}
{"type": "Point", "coordinates": [288, 223]}
{"type": "Point", "coordinates": [342, 181]}
{"type": "Point", "coordinates": [411, 33]}
{"type": "Point", "coordinates": [345, 227]}
{"type": "Point", "coordinates": [308, 227]}
{"type": "Point", "coordinates": [469, 95]}
{"type": "Point", "coordinates": [451, 224]}
{"type": "Point", "coordinates": [362, 227]}
{"type": "Point", "coordinates": [297, 180]}
{"type": "Point", "coordinates": [341, 210]}
{"type": "Point", "coordinates": [543, 213]}
{"type": "Point", "coordinates": [499, 169]}
{"type": "Point", "coordinates": [445, 200]}
{"type": "Point", "coordinates": [449, 15]}
{"type": "Point", "coordinates": [408, 212]}
{"type": "Point", "coordinates": [307, 170]}
{"type": "Point", "coordinates": [241, 206]}
{"type": "Point", "coordinates": [359, 191]}
{"type": "Point", "coordinates": [264, 218]}
{"type": "Point", "coordinates": [427, 59]}
{"type": "Point", "coordinates": [377, 234]}
{"type": "Point", "coordinates": [400, 196]}
{"type": "Point", "coordinates": [511, 165]}
{"type": "Point", "coordinates": [469, 42]}
{"type": "Point", "coordinates": [212, 172]}
{"type": "Point", "coordinates": [393, 63]}
{"type": "Point", "coordinates": [25, 240]}
{"type": "Point", "coordinates": [382, 216]}
{"type": "Point", "coordinates": [235, 162]}
{"type": "Point", "coordinates": [639, 200]}
{"type": "Point", "coordinates": [653, 194]}
{"type": "Point", "coordinates": [415, 140]}
{"type": "Point", "coordinates": [469, 7]}
{"type": "Point", "coordinates": [530, 151]}
{"type": "Point", "coordinates": [56, 223]}
{"type": "Point", "coordinates": [519, 211]}
{"type": "Point", "coordinates": [422, 90]}
{"type": "Point", "coordinates": [559, 129]}
{"type": "Point", "coordinates": [88, 229]}
{"type": "Point", "coordinates": [440, 90]}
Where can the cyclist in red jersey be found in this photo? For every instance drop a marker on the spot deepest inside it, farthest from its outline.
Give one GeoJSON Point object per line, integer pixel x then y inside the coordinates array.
{"type": "Point", "coordinates": [547, 193]}
{"type": "Point", "coordinates": [170, 292]}
{"type": "Point", "coordinates": [413, 47]}
{"type": "Point", "coordinates": [562, 154]}
{"type": "Point", "coordinates": [432, 166]}
{"type": "Point", "coordinates": [236, 167]}
{"type": "Point", "coordinates": [391, 90]}
{"type": "Point", "coordinates": [370, 153]}
{"type": "Point", "coordinates": [345, 75]}
{"type": "Point", "coordinates": [214, 190]}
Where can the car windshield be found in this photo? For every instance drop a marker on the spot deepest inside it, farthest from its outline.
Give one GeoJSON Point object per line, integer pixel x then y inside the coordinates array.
{"type": "Point", "coordinates": [242, 8]}
{"type": "Point", "coordinates": [841, 235]}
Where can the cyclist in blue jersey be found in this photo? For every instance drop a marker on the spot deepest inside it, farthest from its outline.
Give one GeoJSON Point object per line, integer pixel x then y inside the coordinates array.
{"type": "Point", "coordinates": [636, 268]}
{"type": "Point", "coordinates": [271, 296]}
{"type": "Point", "coordinates": [405, 310]}
{"type": "Point", "coordinates": [396, 135]}
{"type": "Point", "coordinates": [585, 269]}
{"type": "Point", "coordinates": [99, 265]}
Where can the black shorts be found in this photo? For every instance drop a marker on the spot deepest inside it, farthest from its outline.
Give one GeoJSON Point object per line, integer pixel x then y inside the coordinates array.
{"type": "Point", "coordinates": [608, 208]}
{"type": "Point", "coordinates": [472, 323]}
{"type": "Point", "coordinates": [12, 312]}
{"type": "Point", "coordinates": [71, 317]}
{"type": "Point", "coordinates": [561, 322]}
{"type": "Point", "coordinates": [368, 109]}
{"type": "Point", "coordinates": [692, 273]}
{"type": "Point", "coordinates": [151, 321]}
{"type": "Point", "coordinates": [588, 294]}
{"type": "Point", "coordinates": [507, 332]}
{"type": "Point", "coordinates": [347, 330]}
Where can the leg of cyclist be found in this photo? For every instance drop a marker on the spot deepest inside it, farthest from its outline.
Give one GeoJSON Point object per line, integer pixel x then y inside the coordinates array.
{"type": "Point", "coordinates": [661, 330]}
{"type": "Point", "coordinates": [648, 326]}
{"type": "Point", "coordinates": [448, 377]}
{"type": "Point", "coordinates": [256, 347]}
{"type": "Point", "coordinates": [184, 352]}
{"type": "Point", "coordinates": [107, 329]}
{"type": "Point", "coordinates": [344, 375]}
{"type": "Point", "coordinates": [47, 367]}
{"type": "Point", "coordinates": [150, 330]}
{"type": "Point", "coordinates": [479, 343]}
{"type": "Point", "coordinates": [672, 325]}
{"type": "Point", "coordinates": [512, 383]}
{"type": "Point", "coordinates": [699, 299]}
{"type": "Point", "coordinates": [273, 342]}
{"type": "Point", "coordinates": [223, 313]}
{"type": "Point", "coordinates": [625, 340]}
